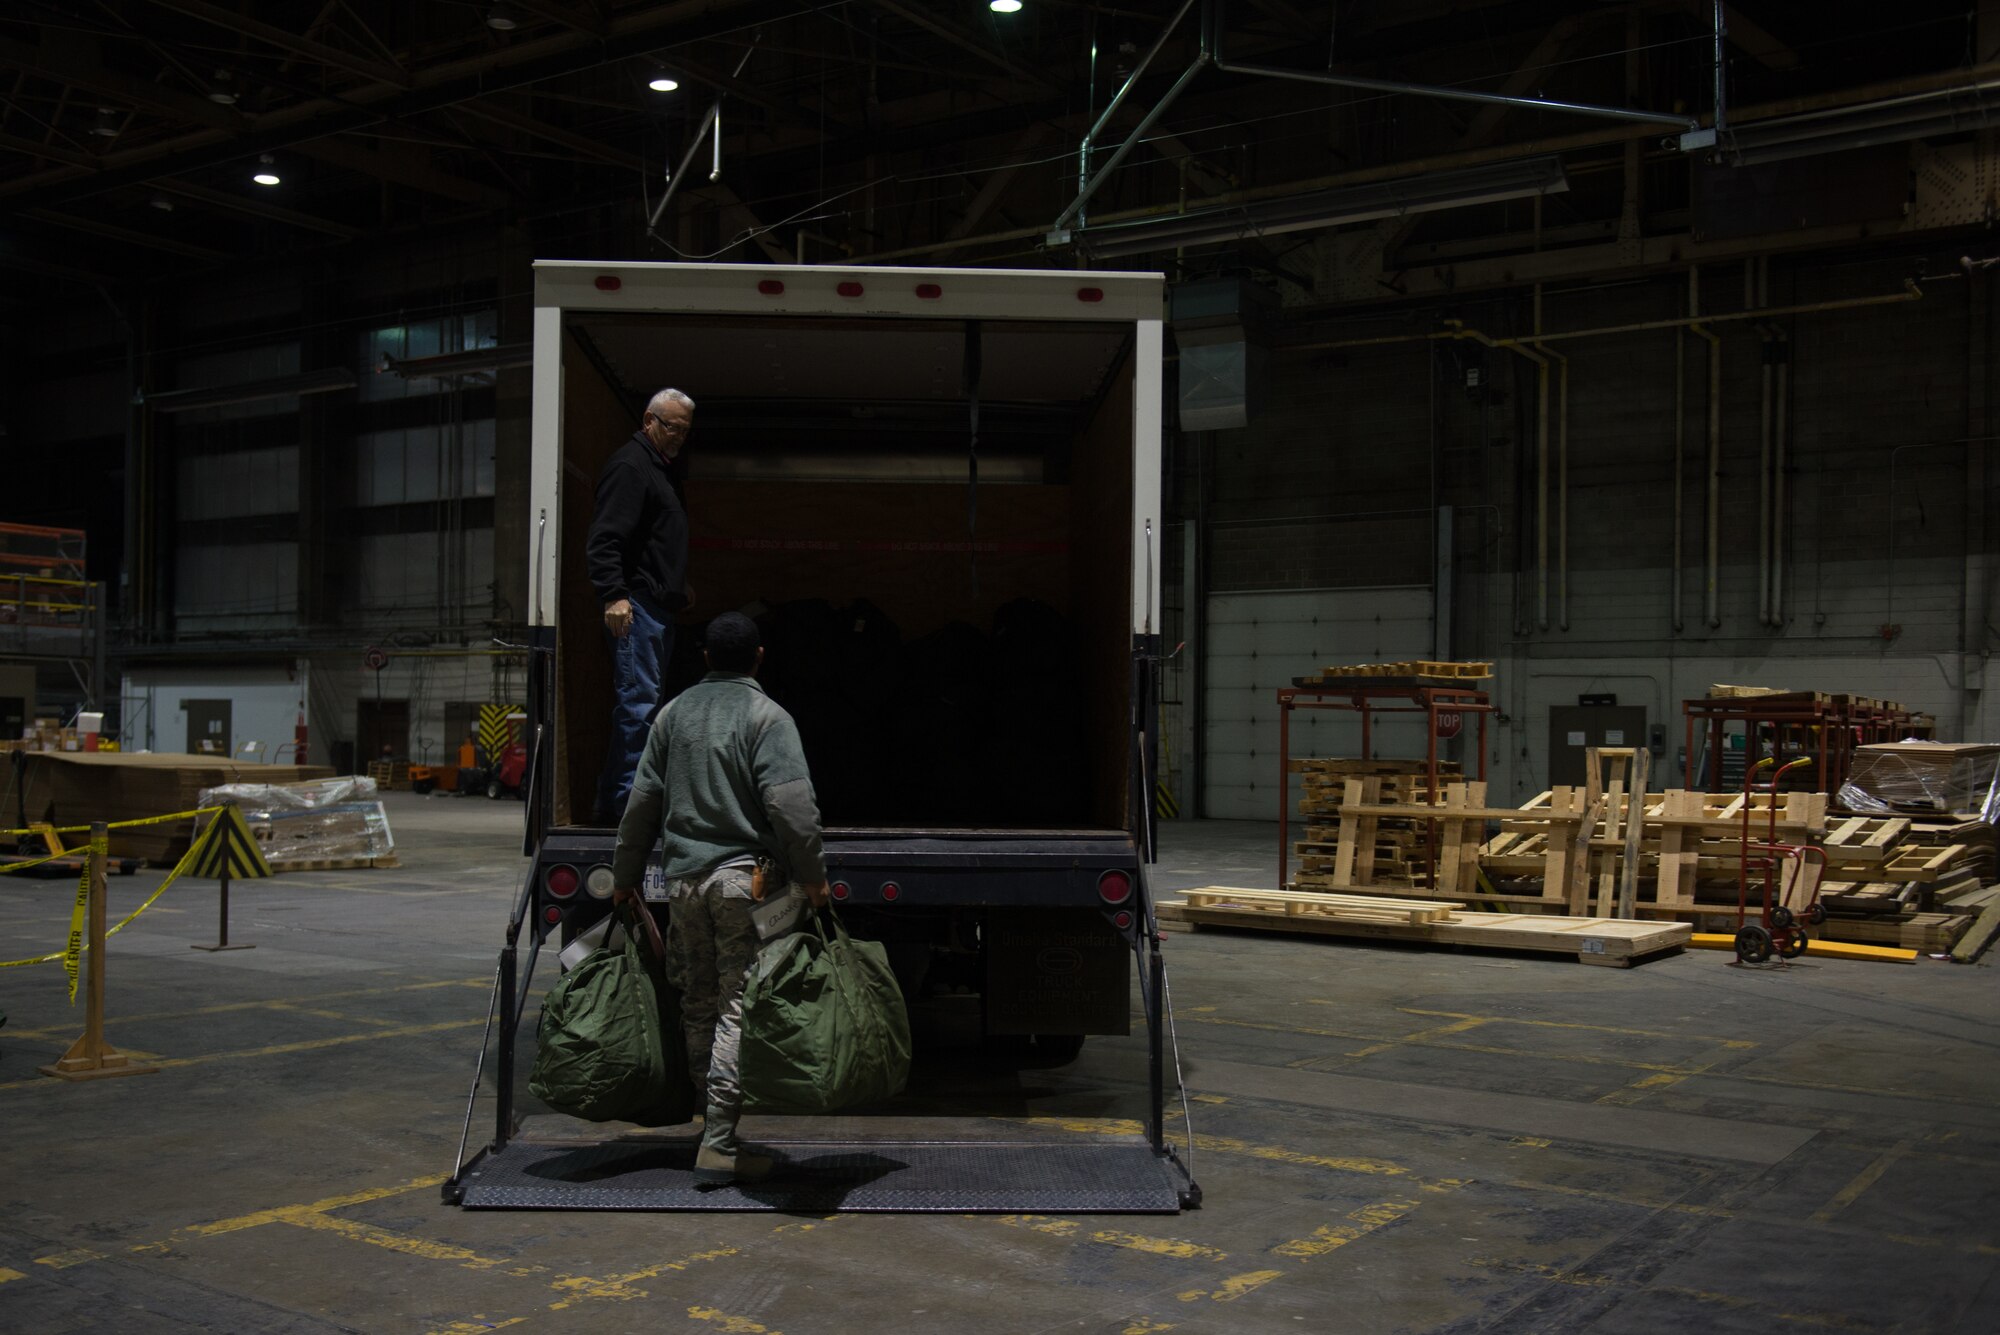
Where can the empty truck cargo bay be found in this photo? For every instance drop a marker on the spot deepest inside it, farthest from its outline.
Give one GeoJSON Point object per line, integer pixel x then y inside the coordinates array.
{"type": "Point", "coordinates": [1386, 1138]}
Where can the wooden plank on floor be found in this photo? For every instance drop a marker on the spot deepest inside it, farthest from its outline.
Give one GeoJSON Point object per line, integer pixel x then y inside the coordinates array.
{"type": "Point", "coordinates": [1611, 941]}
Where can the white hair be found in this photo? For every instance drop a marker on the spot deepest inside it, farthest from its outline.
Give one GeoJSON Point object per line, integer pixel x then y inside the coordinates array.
{"type": "Point", "coordinates": [666, 396]}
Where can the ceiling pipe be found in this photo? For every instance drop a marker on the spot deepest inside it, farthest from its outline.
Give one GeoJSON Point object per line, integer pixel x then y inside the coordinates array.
{"type": "Point", "coordinates": [1059, 231]}
{"type": "Point", "coordinates": [1457, 329]}
{"type": "Point", "coordinates": [1628, 114]}
{"type": "Point", "coordinates": [1711, 612]}
{"type": "Point", "coordinates": [1753, 292]}
{"type": "Point", "coordinates": [1782, 394]}
{"type": "Point", "coordinates": [1562, 473]}
{"type": "Point", "coordinates": [1084, 184]}
{"type": "Point", "coordinates": [711, 121]}
{"type": "Point", "coordinates": [1680, 470]}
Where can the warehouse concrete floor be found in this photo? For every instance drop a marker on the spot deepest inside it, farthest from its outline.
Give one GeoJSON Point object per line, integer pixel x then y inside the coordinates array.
{"type": "Point", "coordinates": [1388, 1140]}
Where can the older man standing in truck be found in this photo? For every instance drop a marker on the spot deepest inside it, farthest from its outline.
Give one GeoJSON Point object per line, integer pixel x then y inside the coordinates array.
{"type": "Point", "coordinates": [637, 556]}
{"type": "Point", "coordinates": [723, 785]}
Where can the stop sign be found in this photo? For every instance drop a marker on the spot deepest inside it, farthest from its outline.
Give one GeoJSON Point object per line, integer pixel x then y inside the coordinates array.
{"type": "Point", "coordinates": [1449, 722]}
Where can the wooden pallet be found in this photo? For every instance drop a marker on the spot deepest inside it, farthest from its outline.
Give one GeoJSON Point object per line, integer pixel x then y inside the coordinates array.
{"type": "Point", "coordinates": [1614, 942]}
{"type": "Point", "coordinates": [333, 864]}
{"type": "Point", "coordinates": [1932, 933]}
{"type": "Point", "coordinates": [1299, 903]}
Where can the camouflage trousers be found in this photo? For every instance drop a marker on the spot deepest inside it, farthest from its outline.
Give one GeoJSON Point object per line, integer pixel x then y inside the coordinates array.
{"type": "Point", "coordinates": [710, 945]}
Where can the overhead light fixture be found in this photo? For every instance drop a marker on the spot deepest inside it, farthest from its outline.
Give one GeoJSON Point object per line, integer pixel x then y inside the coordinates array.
{"type": "Point", "coordinates": [106, 123]}
{"type": "Point", "coordinates": [661, 83]}
{"type": "Point", "coordinates": [1890, 121]}
{"type": "Point", "coordinates": [222, 89]}
{"type": "Point", "coordinates": [265, 174]}
{"type": "Point", "coordinates": [162, 203]}
{"type": "Point", "coordinates": [1005, 6]}
{"type": "Point", "coordinates": [501, 18]}
{"type": "Point", "coordinates": [1429, 193]}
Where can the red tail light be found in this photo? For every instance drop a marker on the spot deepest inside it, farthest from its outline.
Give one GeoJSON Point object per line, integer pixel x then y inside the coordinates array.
{"type": "Point", "coordinates": [1122, 919]}
{"type": "Point", "coordinates": [1114, 887]}
{"type": "Point", "coordinates": [929, 291]}
{"type": "Point", "coordinates": [552, 914]}
{"type": "Point", "coordinates": [891, 892]}
{"type": "Point", "coordinates": [840, 890]}
{"type": "Point", "coordinates": [848, 289]}
{"type": "Point", "coordinates": [607, 282]}
{"type": "Point", "coordinates": [1090, 294]}
{"type": "Point", "coordinates": [771, 287]}
{"type": "Point", "coordinates": [561, 880]}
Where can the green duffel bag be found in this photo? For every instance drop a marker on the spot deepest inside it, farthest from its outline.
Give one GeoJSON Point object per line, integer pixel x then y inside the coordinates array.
{"type": "Point", "coordinates": [609, 1047]}
{"type": "Point", "coordinates": [824, 1026]}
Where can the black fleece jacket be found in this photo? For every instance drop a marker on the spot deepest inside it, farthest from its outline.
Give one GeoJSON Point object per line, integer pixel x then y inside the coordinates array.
{"type": "Point", "coordinates": [638, 540]}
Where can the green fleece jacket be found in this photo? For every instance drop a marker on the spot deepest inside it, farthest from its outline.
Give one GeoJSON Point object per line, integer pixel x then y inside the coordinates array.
{"type": "Point", "coordinates": [722, 776]}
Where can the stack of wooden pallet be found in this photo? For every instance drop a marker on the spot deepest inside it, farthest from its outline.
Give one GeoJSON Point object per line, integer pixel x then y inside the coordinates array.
{"type": "Point", "coordinates": [1778, 694]}
{"type": "Point", "coordinates": [1380, 852]}
{"type": "Point", "coordinates": [1401, 671]}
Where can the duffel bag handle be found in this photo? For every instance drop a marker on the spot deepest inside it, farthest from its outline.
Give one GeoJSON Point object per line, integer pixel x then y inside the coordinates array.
{"type": "Point", "coordinates": [642, 914]}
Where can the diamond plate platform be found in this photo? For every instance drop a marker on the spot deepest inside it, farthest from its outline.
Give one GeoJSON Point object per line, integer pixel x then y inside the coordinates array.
{"type": "Point", "coordinates": [822, 1177]}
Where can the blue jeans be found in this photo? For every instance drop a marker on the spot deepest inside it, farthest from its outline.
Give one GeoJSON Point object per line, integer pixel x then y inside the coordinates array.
{"type": "Point", "coordinates": [638, 666]}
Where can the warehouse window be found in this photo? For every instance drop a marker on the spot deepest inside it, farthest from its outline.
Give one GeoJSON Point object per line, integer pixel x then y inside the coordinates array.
{"type": "Point", "coordinates": [426, 463]}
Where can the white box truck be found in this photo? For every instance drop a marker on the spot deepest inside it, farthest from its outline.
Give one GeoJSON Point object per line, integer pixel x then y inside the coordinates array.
{"type": "Point", "coordinates": [939, 489]}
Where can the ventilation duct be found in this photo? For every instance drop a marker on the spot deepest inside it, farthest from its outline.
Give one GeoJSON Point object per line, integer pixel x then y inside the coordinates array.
{"type": "Point", "coordinates": [1218, 326]}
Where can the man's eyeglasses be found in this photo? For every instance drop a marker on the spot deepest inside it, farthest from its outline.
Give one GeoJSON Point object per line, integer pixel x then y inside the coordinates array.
{"type": "Point", "coordinates": [672, 428]}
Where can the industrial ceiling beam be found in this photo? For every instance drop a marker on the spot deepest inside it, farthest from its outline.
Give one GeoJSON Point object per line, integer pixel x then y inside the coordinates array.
{"type": "Point", "coordinates": [403, 164]}
{"type": "Point", "coordinates": [270, 35]}
{"type": "Point", "coordinates": [126, 235]}
{"type": "Point", "coordinates": [958, 37]}
{"type": "Point", "coordinates": [645, 30]}
{"type": "Point", "coordinates": [255, 208]}
{"type": "Point", "coordinates": [581, 145]}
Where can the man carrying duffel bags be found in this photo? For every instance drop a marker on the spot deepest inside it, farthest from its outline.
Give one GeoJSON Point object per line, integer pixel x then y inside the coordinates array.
{"type": "Point", "coordinates": [723, 784]}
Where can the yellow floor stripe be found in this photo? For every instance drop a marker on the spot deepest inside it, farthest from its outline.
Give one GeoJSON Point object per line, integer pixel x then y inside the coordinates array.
{"type": "Point", "coordinates": [1863, 1180]}
{"type": "Point", "coordinates": [1456, 1027]}
{"type": "Point", "coordinates": [1568, 1024]}
{"type": "Point", "coordinates": [478, 1325]}
{"type": "Point", "coordinates": [1584, 1279]}
{"type": "Point", "coordinates": [275, 1003]}
{"type": "Point", "coordinates": [1327, 1238]}
{"type": "Point", "coordinates": [1111, 1237]}
{"type": "Point", "coordinates": [730, 1325]}
{"type": "Point", "coordinates": [1230, 1145]}
{"type": "Point", "coordinates": [286, 1049]}
{"type": "Point", "coordinates": [64, 1260]}
{"type": "Point", "coordinates": [407, 1245]}
{"type": "Point", "coordinates": [9, 1276]}
{"type": "Point", "coordinates": [1417, 1040]}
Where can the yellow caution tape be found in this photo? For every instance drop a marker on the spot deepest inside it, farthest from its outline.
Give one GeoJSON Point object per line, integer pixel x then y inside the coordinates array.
{"type": "Point", "coordinates": [118, 824]}
{"type": "Point", "coordinates": [74, 951]}
{"type": "Point", "coordinates": [6, 867]}
{"type": "Point", "coordinates": [71, 953]}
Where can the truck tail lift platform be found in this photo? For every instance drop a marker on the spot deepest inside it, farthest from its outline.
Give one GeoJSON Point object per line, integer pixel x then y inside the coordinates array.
{"type": "Point", "coordinates": [842, 1168]}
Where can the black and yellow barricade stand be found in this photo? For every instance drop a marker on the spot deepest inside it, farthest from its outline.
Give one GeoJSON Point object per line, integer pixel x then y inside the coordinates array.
{"type": "Point", "coordinates": [227, 849]}
{"type": "Point", "coordinates": [90, 1057]}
